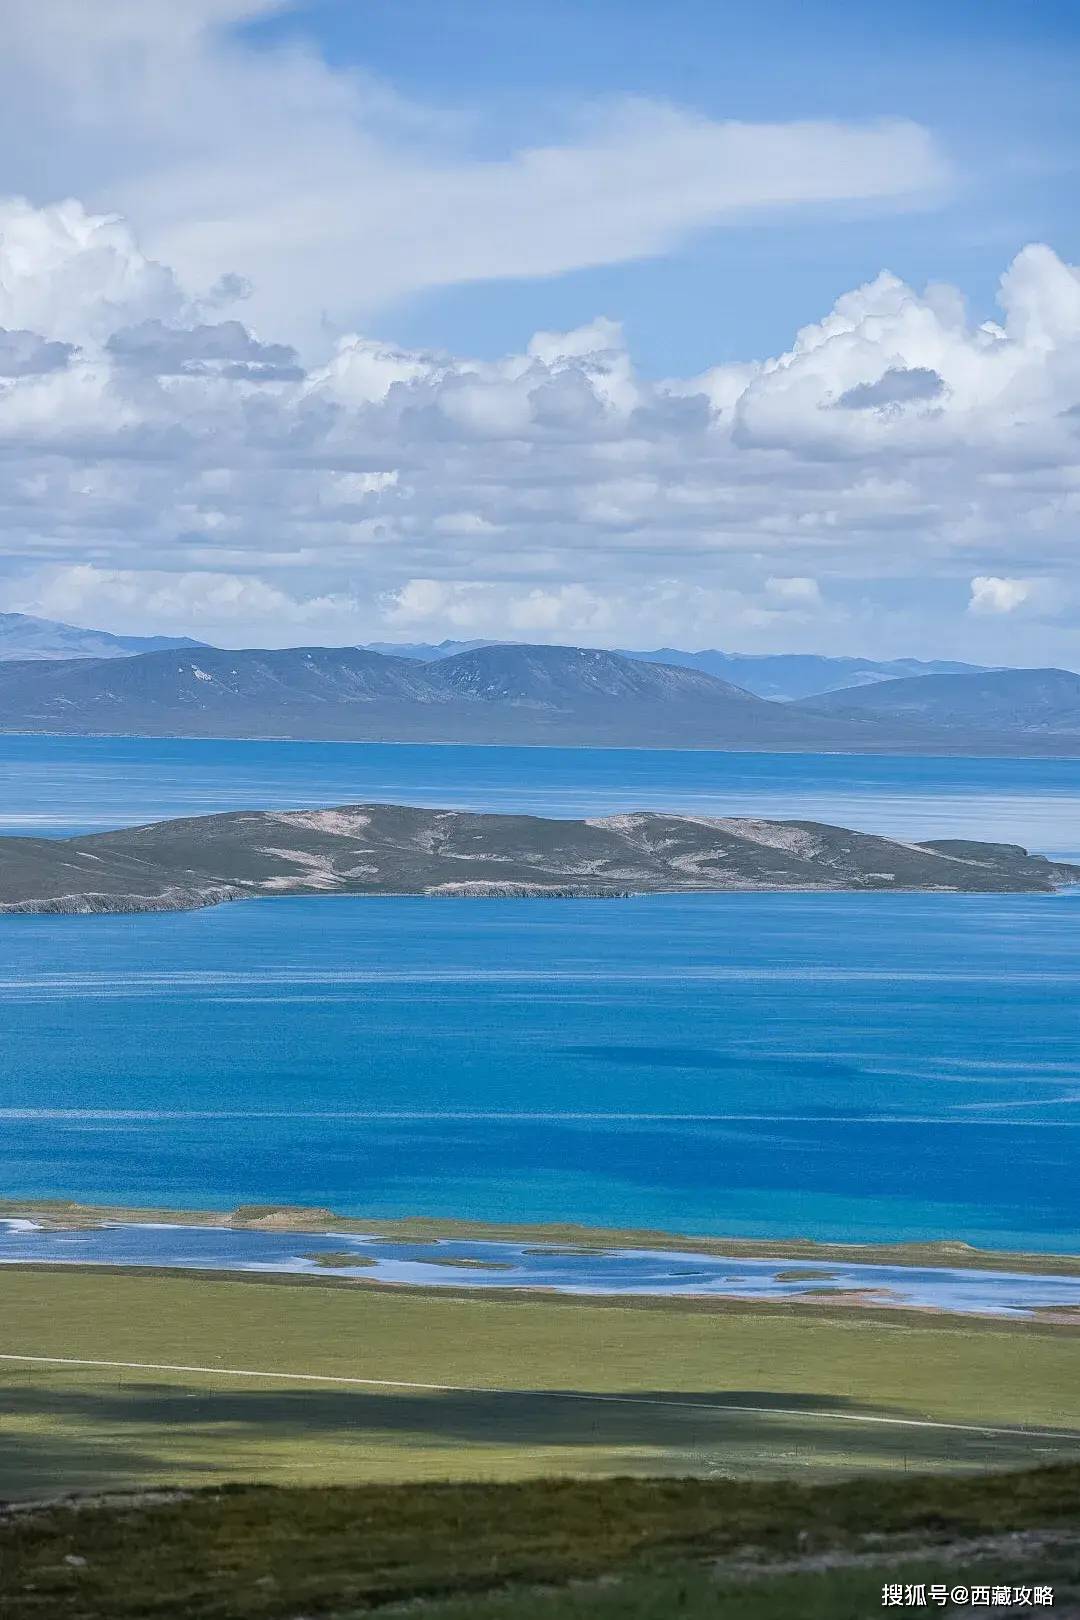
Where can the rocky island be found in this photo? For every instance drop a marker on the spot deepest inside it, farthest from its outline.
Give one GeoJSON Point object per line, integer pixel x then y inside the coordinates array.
{"type": "Point", "coordinates": [386, 849]}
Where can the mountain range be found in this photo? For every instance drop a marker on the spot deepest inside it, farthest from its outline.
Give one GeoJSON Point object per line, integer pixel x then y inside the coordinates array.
{"type": "Point", "coordinates": [1036, 702]}
{"type": "Point", "coordinates": [780, 676]}
{"type": "Point", "coordinates": [396, 849]}
{"type": "Point", "coordinates": [512, 694]}
{"type": "Point", "coordinates": [788, 676]}
{"type": "Point", "coordinates": [22, 637]}
{"type": "Point", "coordinates": [506, 694]}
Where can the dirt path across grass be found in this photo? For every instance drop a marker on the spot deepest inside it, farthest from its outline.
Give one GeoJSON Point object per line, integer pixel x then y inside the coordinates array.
{"type": "Point", "coordinates": [716, 1407]}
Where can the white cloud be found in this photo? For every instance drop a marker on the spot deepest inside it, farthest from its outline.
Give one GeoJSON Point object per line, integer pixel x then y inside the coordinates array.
{"type": "Point", "coordinates": [358, 488]}
{"type": "Point", "coordinates": [488, 608]}
{"type": "Point", "coordinates": [363, 372]}
{"type": "Point", "coordinates": [179, 471]}
{"type": "Point", "coordinates": [25, 354]}
{"type": "Point", "coordinates": [663, 610]}
{"type": "Point", "coordinates": [895, 388]}
{"type": "Point", "coordinates": [600, 337]}
{"type": "Point", "coordinates": [192, 603]}
{"type": "Point", "coordinates": [223, 348]}
{"type": "Point", "coordinates": [464, 523]}
{"type": "Point", "coordinates": [77, 275]}
{"type": "Point", "coordinates": [992, 594]}
{"type": "Point", "coordinates": [794, 589]}
{"type": "Point", "coordinates": [1041, 299]}
{"type": "Point", "coordinates": [332, 194]}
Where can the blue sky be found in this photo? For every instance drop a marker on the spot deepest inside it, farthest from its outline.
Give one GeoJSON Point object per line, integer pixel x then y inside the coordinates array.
{"type": "Point", "coordinates": [616, 323]}
{"type": "Point", "coordinates": [996, 82]}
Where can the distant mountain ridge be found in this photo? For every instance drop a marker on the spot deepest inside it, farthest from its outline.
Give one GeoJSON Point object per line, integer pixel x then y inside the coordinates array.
{"type": "Point", "coordinates": [526, 695]}
{"type": "Point", "coordinates": [1030, 702]}
{"type": "Point", "coordinates": [397, 849]}
{"type": "Point", "coordinates": [786, 677]}
{"type": "Point", "coordinates": [427, 652]}
{"type": "Point", "coordinates": [494, 694]}
{"type": "Point", "coordinates": [24, 637]}
{"type": "Point", "coordinates": [779, 676]}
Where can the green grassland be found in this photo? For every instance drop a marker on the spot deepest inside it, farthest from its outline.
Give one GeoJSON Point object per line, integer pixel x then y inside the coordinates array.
{"type": "Point", "coordinates": [598, 1550]}
{"type": "Point", "coordinates": [711, 1594]}
{"type": "Point", "coordinates": [695, 1594]}
{"type": "Point", "coordinates": [530, 1385]}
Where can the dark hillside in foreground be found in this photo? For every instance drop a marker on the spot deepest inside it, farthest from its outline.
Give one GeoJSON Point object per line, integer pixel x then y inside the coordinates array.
{"type": "Point", "coordinates": [613, 1548]}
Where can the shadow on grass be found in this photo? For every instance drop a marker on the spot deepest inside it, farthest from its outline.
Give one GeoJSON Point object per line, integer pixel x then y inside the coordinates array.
{"type": "Point", "coordinates": [61, 1437]}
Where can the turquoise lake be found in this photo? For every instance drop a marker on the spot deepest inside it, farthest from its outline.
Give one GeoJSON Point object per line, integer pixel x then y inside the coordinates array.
{"type": "Point", "coordinates": [834, 1066]}
{"type": "Point", "coordinates": [57, 785]}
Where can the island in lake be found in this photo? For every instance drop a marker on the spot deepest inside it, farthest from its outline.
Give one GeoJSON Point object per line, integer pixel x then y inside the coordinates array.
{"type": "Point", "coordinates": [373, 849]}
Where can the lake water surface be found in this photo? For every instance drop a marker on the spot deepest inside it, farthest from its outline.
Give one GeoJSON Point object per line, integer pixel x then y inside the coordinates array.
{"type": "Point", "coordinates": [58, 785]}
{"type": "Point", "coordinates": [834, 1066]}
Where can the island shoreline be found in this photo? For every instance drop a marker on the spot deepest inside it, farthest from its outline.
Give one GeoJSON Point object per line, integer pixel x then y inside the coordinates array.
{"type": "Point", "coordinates": [1068, 751]}
{"type": "Point", "coordinates": [303, 1220]}
{"type": "Point", "coordinates": [385, 850]}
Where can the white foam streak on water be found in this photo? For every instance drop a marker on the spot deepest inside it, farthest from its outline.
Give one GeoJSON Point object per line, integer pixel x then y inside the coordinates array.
{"type": "Point", "coordinates": [182, 982]}
{"type": "Point", "coordinates": [505, 1116]}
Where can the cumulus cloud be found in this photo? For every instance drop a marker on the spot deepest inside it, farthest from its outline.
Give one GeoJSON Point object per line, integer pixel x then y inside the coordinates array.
{"type": "Point", "coordinates": [227, 349]}
{"type": "Point", "coordinates": [25, 354]}
{"type": "Point", "coordinates": [134, 599]}
{"type": "Point", "coordinates": [75, 274]}
{"type": "Point", "coordinates": [794, 588]}
{"type": "Point", "coordinates": [898, 386]}
{"type": "Point", "coordinates": [494, 609]}
{"type": "Point", "coordinates": [992, 594]}
{"type": "Point", "coordinates": [554, 493]}
{"type": "Point", "coordinates": [662, 610]}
